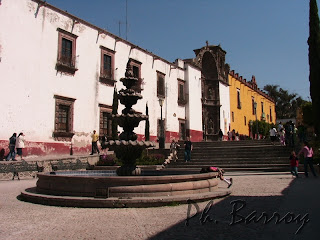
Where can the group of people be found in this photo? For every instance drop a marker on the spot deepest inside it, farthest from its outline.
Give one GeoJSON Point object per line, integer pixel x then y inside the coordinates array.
{"type": "Point", "coordinates": [233, 135]}
{"type": "Point", "coordinates": [16, 146]}
{"type": "Point", "coordinates": [188, 147]}
{"type": "Point", "coordinates": [286, 133]}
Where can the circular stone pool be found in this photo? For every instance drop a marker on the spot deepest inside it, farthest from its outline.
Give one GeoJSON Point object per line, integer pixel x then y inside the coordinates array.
{"type": "Point", "coordinates": [106, 189]}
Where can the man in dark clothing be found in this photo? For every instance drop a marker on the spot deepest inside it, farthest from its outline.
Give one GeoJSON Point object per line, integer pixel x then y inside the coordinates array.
{"type": "Point", "coordinates": [187, 149]}
{"type": "Point", "coordinates": [220, 135]}
{"type": "Point", "coordinates": [12, 146]}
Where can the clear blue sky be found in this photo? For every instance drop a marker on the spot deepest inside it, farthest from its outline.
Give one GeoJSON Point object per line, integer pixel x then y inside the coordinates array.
{"type": "Point", "coordinates": [267, 39]}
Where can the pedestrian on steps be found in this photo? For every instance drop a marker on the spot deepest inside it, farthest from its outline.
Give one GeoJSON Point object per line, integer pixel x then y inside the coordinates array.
{"type": "Point", "coordinates": [187, 149]}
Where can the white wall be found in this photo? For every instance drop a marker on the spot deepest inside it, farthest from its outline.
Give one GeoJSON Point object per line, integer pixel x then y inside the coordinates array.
{"type": "Point", "coordinates": [194, 106]}
{"type": "Point", "coordinates": [28, 52]}
{"type": "Point", "coordinates": [225, 107]}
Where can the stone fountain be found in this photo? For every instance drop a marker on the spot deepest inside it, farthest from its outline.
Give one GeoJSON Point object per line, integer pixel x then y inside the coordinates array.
{"type": "Point", "coordinates": [129, 186]}
{"type": "Point", "coordinates": [128, 149]}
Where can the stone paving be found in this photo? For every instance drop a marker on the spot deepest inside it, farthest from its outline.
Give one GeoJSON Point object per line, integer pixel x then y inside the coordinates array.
{"type": "Point", "coordinates": [262, 192]}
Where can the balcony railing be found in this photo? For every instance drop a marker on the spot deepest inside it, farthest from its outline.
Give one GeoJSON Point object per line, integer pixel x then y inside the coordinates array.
{"type": "Point", "coordinates": [210, 102]}
{"type": "Point", "coordinates": [182, 101]}
{"type": "Point", "coordinates": [67, 64]}
{"type": "Point", "coordinates": [107, 77]}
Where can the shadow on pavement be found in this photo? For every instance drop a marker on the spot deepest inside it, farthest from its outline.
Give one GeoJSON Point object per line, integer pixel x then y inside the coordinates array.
{"type": "Point", "coordinates": [297, 216]}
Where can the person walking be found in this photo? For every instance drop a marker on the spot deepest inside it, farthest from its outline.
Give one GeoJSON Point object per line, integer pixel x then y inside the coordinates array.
{"type": "Point", "coordinates": [294, 163]}
{"type": "Point", "coordinates": [220, 135]}
{"type": "Point", "coordinates": [187, 149]}
{"type": "Point", "coordinates": [12, 147]}
{"type": "Point", "coordinates": [173, 149]}
{"type": "Point", "coordinates": [308, 158]}
{"type": "Point", "coordinates": [95, 138]}
{"type": "Point", "coordinates": [20, 144]}
{"type": "Point", "coordinates": [282, 134]}
{"type": "Point", "coordinates": [273, 134]}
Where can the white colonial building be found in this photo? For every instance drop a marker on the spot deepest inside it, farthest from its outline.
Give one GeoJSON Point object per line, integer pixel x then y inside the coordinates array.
{"type": "Point", "coordinates": [58, 74]}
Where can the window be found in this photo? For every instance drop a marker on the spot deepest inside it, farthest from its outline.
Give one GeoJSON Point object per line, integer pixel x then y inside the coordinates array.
{"type": "Point", "coordinates": [107, 66]}
{"type": "Point", "coordinates": [136, 69]}
{"type": "Point", "coordinates": [181, 92]}
{"type": "Point", "coordinates": [253, 106]}
{"type": "Point", "coordinates": [245, 120]}
{"type": "Point", "coordinates": [105, 121]}
{"type": "Point", "coordinates": [270, 114]}
{"type": "Point", "coordinates": [182, 129]}
{"type": "Point", "coordinates": [263, 115]}
{"type": "Point", "coordinates": [160, 85]}
{"type": "Point", "coordinates": [238, 98]}
{"type": "Point", "coordinates": [232, 116]}
{"type": "Point", "coordinates": [66, 61]}
{"type": "Point", "coordinates": [63, 118]}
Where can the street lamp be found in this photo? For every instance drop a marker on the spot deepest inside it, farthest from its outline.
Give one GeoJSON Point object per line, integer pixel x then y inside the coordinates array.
{"type": "Point", "coordinates": [250, 124]}
{"type": "Point", "coordinates": [255, 110]}
{"type": "Point", "coordinates": [161, 137]}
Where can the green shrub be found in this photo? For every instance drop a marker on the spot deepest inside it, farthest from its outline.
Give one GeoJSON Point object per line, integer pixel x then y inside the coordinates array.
{"type": "Point", "coordinates": [150, 159]}
{"type": "Point", "coordinates": [107, 160]}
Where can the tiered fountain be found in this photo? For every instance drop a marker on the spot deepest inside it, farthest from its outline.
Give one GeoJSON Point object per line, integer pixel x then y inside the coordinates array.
{"type": "Point", "coordinates": [128, 149]}
{"type": "Point", "coordinates": [130, 187]}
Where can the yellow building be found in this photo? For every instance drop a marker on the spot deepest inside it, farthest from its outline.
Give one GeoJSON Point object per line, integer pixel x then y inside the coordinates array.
{"type": "Point", "coordinates": [248, 102]}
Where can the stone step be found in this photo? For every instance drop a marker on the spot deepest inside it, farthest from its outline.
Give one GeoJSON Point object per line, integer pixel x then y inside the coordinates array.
{"type": "Point", "coordinates": [240, 166]}
{"type": "Point", "coordinates": [235, 154]}
{"type": "Point", "coordinates": [242, 142]}
{"type": "Point", "coordinates": [239, 161]}
{"type": "Point", "coordinates": [245, 155]}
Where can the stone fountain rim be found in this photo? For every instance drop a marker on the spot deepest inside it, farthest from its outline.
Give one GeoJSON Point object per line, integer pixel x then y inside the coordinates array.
{"type": "Point", "coordinates": [139, 177]}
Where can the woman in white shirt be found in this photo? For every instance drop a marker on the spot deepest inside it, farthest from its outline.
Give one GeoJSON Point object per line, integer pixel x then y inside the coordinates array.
{"type": "Point", "coordinates": [20, 144]}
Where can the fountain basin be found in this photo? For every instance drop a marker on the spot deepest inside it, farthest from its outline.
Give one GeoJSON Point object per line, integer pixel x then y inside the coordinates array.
{"type": "Point", "coordinates": [105, 189]}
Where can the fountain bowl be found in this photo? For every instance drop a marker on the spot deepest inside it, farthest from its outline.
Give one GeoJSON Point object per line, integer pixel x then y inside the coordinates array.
{"type": "Point", "coordinates": [104, 189]}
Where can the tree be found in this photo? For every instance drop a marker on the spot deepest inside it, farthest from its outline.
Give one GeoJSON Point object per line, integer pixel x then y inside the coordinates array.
{"type": "Point", "coordinates": [314, 63]}
{"type": "Point", "coordinates": [307, 114]}
{"type": "Point", "coordinates": [147, 128]}
{"type": "Point", "coordinates": [115, 104]}
{"type": "Point", "coordinates": [286, 103]}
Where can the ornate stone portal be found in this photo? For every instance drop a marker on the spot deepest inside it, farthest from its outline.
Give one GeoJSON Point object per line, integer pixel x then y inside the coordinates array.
{"type": "Point", "coordinates": [211, 60]}
{"type": "Point", "coordinates": [128, 149]}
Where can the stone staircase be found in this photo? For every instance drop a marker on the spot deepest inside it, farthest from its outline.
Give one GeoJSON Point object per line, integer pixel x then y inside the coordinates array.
{"type": "Point", "coordinates": [247, 155]}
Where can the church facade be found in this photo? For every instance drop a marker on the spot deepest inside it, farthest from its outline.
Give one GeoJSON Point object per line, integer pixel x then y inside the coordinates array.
{"type": "Point", "coordinates": [59, 73]}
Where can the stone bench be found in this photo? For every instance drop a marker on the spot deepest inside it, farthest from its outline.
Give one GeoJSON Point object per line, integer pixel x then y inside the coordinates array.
{"type": "Point", "coordinates": [57, 165]}
{"type": "Point", "coordinates": [20, 166]}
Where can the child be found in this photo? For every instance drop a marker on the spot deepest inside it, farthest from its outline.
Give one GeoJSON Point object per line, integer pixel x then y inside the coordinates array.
{"type": "Point", "coordinates": [282, 137]}
{"type": "Point", "coordinates": [173, 149]}
{"type": "Point", "coordinates": [220, 174]}
{"type": "Point", "coordinates": [294, 163]}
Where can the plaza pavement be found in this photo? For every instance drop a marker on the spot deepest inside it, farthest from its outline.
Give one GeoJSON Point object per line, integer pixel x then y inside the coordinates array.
{"type": "Point", "coordinates": [261, 192]}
